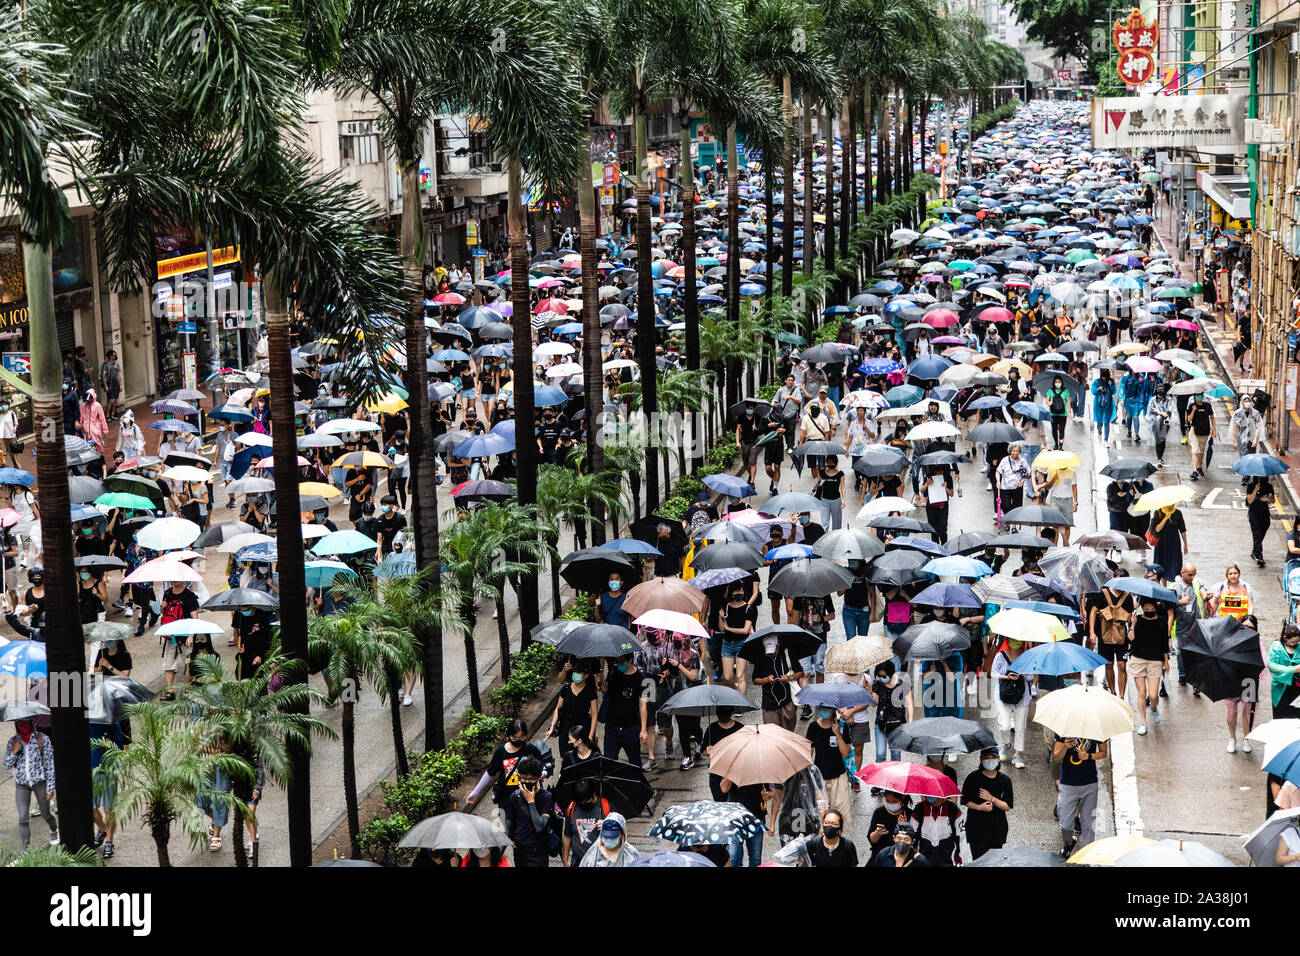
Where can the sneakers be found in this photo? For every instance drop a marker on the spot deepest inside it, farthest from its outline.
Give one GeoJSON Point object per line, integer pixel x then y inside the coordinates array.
{"type": "Point", "coordinates": [805, 712]}
{"type": "Point", "coordinates": [1018, 762]}
{"type": "Point", "coordinates": [1142, 730]}
{"type": "Point", "coordinates": [1194, 476]}
{"type": "Point", "coordinates": [406, 700]}
{"type": "Point", "coordinates": [99, 837]}
{"type": "Point", "coordinates": [1160, 463]}
{"type": "Point", "coordinates": [1232, 745]}
{"type": "Point", "coordinates": [687, 762]}
{"type": "Point", "coordinates": [1183, 440]}
{"type": "Point", "coordinates": [648, 764]}
{"type": "Point", "coordinates": [120, 605]}
{"type": "Point", "coordinates": [54, 838]}
{"type": "Point", "coordinates": [1002, 754]}
{"type": "Point", "coordinates": [1245, 746]}
{"type": "Point", "coordinates": [108, 849]}
{"type": "Point", "coordinates": [772, 489]}
{"type": "Point", "coordinates": [1155, 715]}
{"type": "Point", "coordinates": [1068, 849]}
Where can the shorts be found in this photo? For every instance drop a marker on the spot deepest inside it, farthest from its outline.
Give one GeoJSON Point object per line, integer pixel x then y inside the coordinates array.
{"type": "Point", "coordinates": [1197, 442]}
{"type": "Point", "coordinates": [817, 662]}
{"type": "Point", "coordinates": [467, 393]}
{"type": "Point", "coordinates": [1113, 652]}
{"type": "Point", "coordinates": [1151, 670]}
{"type": "Point", "coordinates": [751, 454]}
{"type": "Point", "coordinates": [114, 391]}
{"type": "Point", "coordinates": [860, 734]}
{"type": "Point", "coordinates": [175, 656]}
{"type": "Point", "coordinates": [731, 648]}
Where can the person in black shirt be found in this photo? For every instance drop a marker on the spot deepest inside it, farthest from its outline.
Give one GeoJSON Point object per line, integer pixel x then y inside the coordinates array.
{"type": "Point", "coordinates": [748, 429]}
{"type": "Point", "coordinates": [832, 850]}
{"type": "Point", "coordinates": [548, 435]}
{"type": "Point", "coordinates": [626, 710]}
{"type": "Point", "coordinates": [774, 673]}
{"type": "Point", "coordinates": [812, 531]}
{"type": "Point", "coordinates": [253, 634]}
{"type": "Point", "coordinates": [716, 732]}
{"type": "Point", "coordinates": [113, 660]}
{"type": "Point", "coordinates": [669, 561]}
{"type": "Point", "coordinates": [528, 812]}
{"type": "Point", "coordinates": [830, 750]}
{"type": "Point", "coordinates": [902, 852]}
{"type": "Point", "coordinates": [1077, 793]}
{"type": "Point", "coordinates": [389, 523]}
{"type": "Point", "coordinates": [1201, 416]}
{"type": "Point", "coordinates": [987, 795]}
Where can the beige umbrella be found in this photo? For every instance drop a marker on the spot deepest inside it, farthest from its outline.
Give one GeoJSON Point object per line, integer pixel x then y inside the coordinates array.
{"type": "Point", "coordinates": [668, 594]}
{"type": "Point", "coordinates": [1006, 365]}
{"type": "Point", "coordinates": [1087, 712]}
{"type": "Point", "coordinates": [760, 753]}
{"type": "Point", "coordinates": [858, 655]}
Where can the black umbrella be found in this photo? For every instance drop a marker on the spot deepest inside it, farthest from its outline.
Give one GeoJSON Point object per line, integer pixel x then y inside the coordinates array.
{"type": "Point", "coordinates": [798, 642]}
{"type": "Point", "coordinates": [727, 554]}
{"type": "Point", "coordinates": [22, 710]}
{"type": "Point", "coordinates": [1018, 856]}
{"type": "Point", "coordinates": [1222, 657]}
{"type": "Point", "coordinates": [1037, 515]}
{"type": "Point", "coordinates": [597, 640]}
{"type": "Point", "coordinates": [877, 464]}
{"type": "Point", "coordinates": [104, 561]}
{"type": "Point", "coordinates": [989, 378]}
{"type": "Point", "coordinates": [551, 632]}
{"type": "Point", "coordinates": [483, 490]}
{"type": "Point", "coordinates": [728, 531]}
{"type": "Point", "coordinates": [933, 641]}
{"type": "Point", "coordinates": [941, 735]}
{"type": "Point", "coordinates": [496, 331]}
{"type": "Point", "coordinates": [78, 451]}
{"type": "Point", "coordinates": [818, 448]}
{"type": "Point", "coordinates": [185, 458]}
{"type": "Point", "coordinates": [941, 458]}
{"type": "Point", "coordinates": [705, 823]}
{"type": "Point", "coordinates": [761, 407]}
{"type": "Point", "coordinates": [1019, 540]}
{"type": "Point", "coordinates": [901, 523]}
{"type": "Point", "coordinates": [589, 569]}
{"type": "Point", "coordinates": [220, 533]}
{"type": "Point", "coordinates": [1043, 381]}
{"type": "Point", "coordinates": [824, 354]}
{"type": "Point", "coordinates": [107, 697]}
{"type": "Point", "coordinates": [1077, 346]}
{"type": "Point", "coordinates": [647, 529]}
{"type": "Point", "coordinates": [696, 701]}
{"type": "Point", "coordinates": [235, 599]}
{"type": "Point", "coordinates": [810, 577]}
{"type": "Point", "coordinates": [896, 568]}
{"type": "Point", "coordinates": [1129, 469]}
{"type": "Point", "coordinates": [970, 541]}
{"type": "Point", "coordinates": [991, 432]}
{"type": "Point", "coordinates": [443, 444]}
{"type": "Point", "coordinates": [623, 784]}
{"type": "Point", "coordinates": [82, 489]}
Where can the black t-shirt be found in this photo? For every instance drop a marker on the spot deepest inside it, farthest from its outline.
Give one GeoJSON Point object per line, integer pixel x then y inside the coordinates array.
{"type": "Point", "coordinates": [388, 525]}
{"type": "Point", "coordinates": [582, 826]}
{"type": "Point", "coordinates": [1077, 771]}
{"type": "Point", "coordinates": [669, 560]}
{"type": "Point", "coordinates": [120, 658]}
{"type": "Point", "coordinates": [886, 857]}
{"type": "Point", "coordinates": [845, 853]}
{"type": "Point", "coordinates": [812, 532]}
{"type": "Point", "coordinates": [987, 828]}
{"type": "Point", "coordinates": [549, 435]}
{"type": "Point", "coordinates": [1150, 640]}
{"type": "Point", "coordinates": [575, 705]}
{"type": "Point", "coordinates": [749, 428]}
{"type": "Point", "coordinates": [883, 818]}
{"type": "Point", "coordinates": [826, 751]}
{"type": "Point", "coordinates": [622, 696]}
{"type": "Point", "coordinates": [736, 617]}
{"type": "Point", "coordinates": [775, 695]}
{"type": "Point", "coordinates": [715, 733]}
{"type": "Point", "coordinates": [502, 766]}
{"type": "Point", "coordinates": [750, 797]}
{"type": "Point", "coordinates": [176, 606]}
{"type": "Point", "coordinates": [1201, 415]}
{"type": "Point", "coordinates": [859, 594]}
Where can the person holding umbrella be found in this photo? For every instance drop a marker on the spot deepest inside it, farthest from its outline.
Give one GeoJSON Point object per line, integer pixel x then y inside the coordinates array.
{"type": "Point", "coordinates": [1203, 433]}
{"type": "Point", "coordinates": [1015, 692]}
{"type": "Point", "coordinates": [1259, 505]}
{"type": "Point", "coordinates": [1160, 412]}
{"type": "Point", "coordinates": [748, 429]}
{"type": "Point", "coordinates": [1104, 407]}
{"type": "Point", "coordinates": [737, 621]}
{"type": "Point", "coordinates": [1284, 669]}
{"type": "Point", "coordinates": [1058, 406]}
{"type": "Point", "coordinates": [576, 706]}
{"type": "Point", "coordinates": [830, 750]}
{"type": "Point", "coordinates": [1076, 792]}
{"type": "Point", "coordinates": [1011, 475]}
{"type": "Point", "coordinates": [774, 673]}
{"type": "Point", "coordinates": [988, 796]}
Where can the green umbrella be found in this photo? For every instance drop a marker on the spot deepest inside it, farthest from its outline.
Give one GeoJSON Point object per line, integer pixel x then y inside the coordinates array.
{"type": "Point", "coordinates": [1079, 255]}
{"type": "Point", "coordinates": [1195, 371]}
{"type": "Point", "coordinates": [1150, 177]}
{"type": "Point", "coordinates": [105, 631]}
{"type": "Point", "coordinates": [123, 499]}
{"type": "Point", "coordinates": [961, 265]}
{"type": "Point", "coordinates": [790, 337]}
{"type": "Point", "coordinates": [1174, 292]}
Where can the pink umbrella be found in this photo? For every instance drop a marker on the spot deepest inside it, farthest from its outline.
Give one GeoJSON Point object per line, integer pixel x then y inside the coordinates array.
{"type": "Point", "coordinates": [675, 621]}
{"type": "Point", "coordinates": [948, 340]}
{"type": "Point", "coordinates": [9, 517]}
{"type": "Point", "coordinates": [996, 314]}
{"type": "Point", "coordinates": [1141, 364]}
{"type": "Point", "coordinates": [162, 569]}
{"type": "Point", "coordinates": [505, 308]}
{"type": "Point", "coordinates": [448, 298]}
{"type": "Point", "coordinates": [240, 396]}
{"type": "Point", "coordinates": [550, 283]}
{"type": "Point", "coordinates": [931, 277]}
{"type": "Point", "coordinates": [940, 318]}
{"type": "Point", "coordinates": [1016, 284]}
{"type": "Point", "coordinates": [268, 464]}
{"type": "Point", "coordinates": [1183, 324]}
{"type": "Point", "coordinates": [909, 779]}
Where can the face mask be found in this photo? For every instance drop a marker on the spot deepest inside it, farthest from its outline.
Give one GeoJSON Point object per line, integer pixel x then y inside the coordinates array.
{"type": "Point", "coordinates": [87, 530]}
{"type": "Point", "coordinates": [320, 515]}
{"type": "Point", "coordinates": [830, 832]}
{"type": "Point", "coordinates": [482, 852]}
{"type": "Point", "coordinates": [804, 519]}
{"type": "Point", "coordinates": [577, 678]}
{"type": "Point", "coordinates": [1014, 645]}
{"type": "Point", "coordinates": [518, 743]}
{"type": "Point", "coordinates": [37, 582]}
{"type": "Point", "coordinates": [824, 713]}
{"type": "Point", "coordinates": [989, 764]}
{"type": "Point", "coordinates": [611, 843]}
{"type": "Point", "coordinates": [246, 613]}
{"type": "Point", "coordinates": [385, 509]}
{"type": "Point", "coordinates": [931, 799]}
{"type": "Point", "coordinates": [623, 668]}
{"type": "Point", "coordinates": [893, 807]}
{"type": "Point", "coordinates": [615, 585]}
{"type": "Point", "coordinates": [749, 411]}
{"type": "Point", "coordinates": [84, 575]}
{"type": "Point", "coordinates": [769, 646]}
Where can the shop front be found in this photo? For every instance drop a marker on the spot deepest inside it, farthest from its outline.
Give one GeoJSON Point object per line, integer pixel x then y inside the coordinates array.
{"type": "Point", "coordinates": [186, 348]}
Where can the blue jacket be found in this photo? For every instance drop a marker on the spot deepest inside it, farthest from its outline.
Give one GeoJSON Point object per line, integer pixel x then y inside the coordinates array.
{"type": "Point", "coordinates": [1130, 390]}
{"type": "Point", "coordinates": [1103, 401]}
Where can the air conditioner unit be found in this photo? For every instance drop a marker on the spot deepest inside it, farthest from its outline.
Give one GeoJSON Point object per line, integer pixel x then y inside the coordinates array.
{"type": "Point", "coordinates": [1293, 44]}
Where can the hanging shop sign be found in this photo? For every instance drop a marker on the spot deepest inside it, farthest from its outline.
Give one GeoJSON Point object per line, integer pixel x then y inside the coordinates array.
{"type": "Point", "coordinates": [1135, 40]}
{"type": "Point", "coordinates": [195, 261]}
{"type": "Point", "coordinates": [1186, 122]}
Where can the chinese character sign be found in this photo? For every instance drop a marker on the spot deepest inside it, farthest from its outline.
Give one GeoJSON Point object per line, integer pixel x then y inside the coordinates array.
{"type": "Point", "coordinates": [1168, 121]}
{"type": "Point", "coordinates": [1136, 40]}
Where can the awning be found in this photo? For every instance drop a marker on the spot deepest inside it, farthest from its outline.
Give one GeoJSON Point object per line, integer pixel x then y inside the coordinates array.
{"type": "Point", "coordinates": [1229, 193]}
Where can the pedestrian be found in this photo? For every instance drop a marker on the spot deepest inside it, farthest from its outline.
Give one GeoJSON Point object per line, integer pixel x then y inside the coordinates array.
{"type": "Point", "coordinates": [583, 819]}
{"type": "Point", "coordinates": [1203, 433]}
{"type": "Point", "coordinates": [30, 755]}
{"type": "Point", "coordinates": [1104, 406]}
{"type": "Point", "coordinates": [1015, 692]}
{"type": "Point", "coordinates": [1233, 597]}
{"type": "Point", "coordinates": [987, 795]}
{"type": "Point", "coordinates": [830, 490]}
{"type": "Point", "coordinates": [626, 710]}
{"type": "Point", "coordinates": [1283, 669]}
{"type": "Point", "coordinates": [830, 751]}
{"type": "Point", "coordinates": [130, 439]}
{"type": "Point", "coordinates": [528, 813]}
{"type": "Point", "coordinates": [1076, 791]}
{"type": "Point", "coordinates": [903, 851]}
{"type": "Point", "coordinates": [1246, 429]}
{"type": "Point", "coordinates": [736, 622]}
{"type": "Point", "coordinates": [940, 822]}
{"type": "Point", "coordinates": [178, 602]}
{"type": "Point", "coordinates": [1259, 512]}
{"type": "Point", "coordinates": [1110, 628]}
{"type": "Point", "coordinates": [1160, 412]}
{"type": "Point", "coordinates": [1011, 475]}
{"type": "Point", "coordinates": [893, 693]}
{"type": "Point", "coordinates": [576, 706]}
{"type": "Point", "coordinates": [936, 493]}
{"type": "Point", "coordinates": [1167, 534]}
{"type": "Point", "coordinates": [609, 603]}
{"type": "Point", "coordinates": [8, 434]}
{"type": "Point", "coordinates": [612, 849]}
{"type": "Point", "coordinates": [1058, 407]}
{"type": "Point", "coordinates": [832, 848]}
{"type": "Point", "coordinates": [110, 380]}
{"type": "Point", "coordinates": [502, 765]}
{"type": "Point", "coordinates": [1193, 601]}
{"type": "Point", "coordinates": [774, 672]}
{"type": "Point", "coordinates": [1148, 659]}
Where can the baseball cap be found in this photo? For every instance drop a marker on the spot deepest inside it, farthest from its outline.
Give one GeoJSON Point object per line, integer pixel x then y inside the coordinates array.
{"type": "Point", "coordinates": [614, 825]}
{"type": "Point", "coordinates": [905, 828]}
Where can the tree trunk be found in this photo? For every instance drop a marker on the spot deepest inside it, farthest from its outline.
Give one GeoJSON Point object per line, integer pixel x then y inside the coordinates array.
{"type": "Point", "coordinates": [525, 413]}
{"type": "Point", "coordinates": [691, 298]}
{"type": "Point", "coordinates": [348, 732]}
{"type": "Point", "coordinates": [394, 681]}
{"type": "Point", "coordinates": [809, 189]}
{"type": "Point", "coordinates": [423, 468]}
{"type": "Point", "coordinates": [884, 184]}
{"type": "Point", "coordinates": [471, 655]}
{"type": "Point", "coordinates": [848, 178]}
{"type": "Point", "coordinates": [65, 645]}
{"type": "Point", "coordinates": [161, 832]}
{"type": "Point", "coordinates": [554, 562]}
{"type": "Point", "coordinates": [733, 229]}
{"type": "Point", "coordinates": [293, 575]}
{"type": "Point", "coordinates": [503, 634]}
{"type": "Point", "coordinates": [591, 356]}
{"type": "Point", "coordinates": [645, 312]}
{"type": "Point", "coordinates": [828, 245]}
{"type": "Point", "coordinates": [769, 229]}
{"type": "Point", "coordinates": [787, 191]}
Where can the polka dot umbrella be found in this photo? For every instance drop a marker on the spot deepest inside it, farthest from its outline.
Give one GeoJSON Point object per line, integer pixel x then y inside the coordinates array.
{"type": "Point", "coordinates": [705, 822]}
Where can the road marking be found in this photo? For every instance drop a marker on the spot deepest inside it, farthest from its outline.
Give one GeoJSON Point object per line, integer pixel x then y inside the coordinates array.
{"type": "Point", "coordinates": [1123, 760]}
{"type": "Point", "coordinates": [1295, 418]}
{"type": "Point", "coordinates": [1208, 501]}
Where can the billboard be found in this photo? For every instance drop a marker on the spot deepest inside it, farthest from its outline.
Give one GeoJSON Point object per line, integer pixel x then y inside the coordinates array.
{"type": "Point", "coordinates": [1137, 122]}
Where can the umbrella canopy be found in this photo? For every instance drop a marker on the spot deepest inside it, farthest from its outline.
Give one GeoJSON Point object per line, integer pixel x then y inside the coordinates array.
{"type": "Point", "coordinates": [858, 655]}
{"type": "Point", "coordinates": [1162, 497]}
{"type": "Point", "coordinates": [1262, 842]}
{"type": "Point", "coordinates": [760, 753]}
{"type": "Point", "coordinates": [1080, 570]}
{"type": "Point", "coordinates": [345, 542]}
{"type": "Point", "coordinates": [1083, 711]}
{"type": "Point", "coordinates": [897, 567]}
{"type": "Point", "coordinates": [597, 640]}
{"type": "Point", "coordinates": [237, 599]}
{"type": "Point", "coordinates": [674, 621]}
{"type": "Point", "coordinates": [1018, 856]}
{"type": "Point", "coordinates": [1284, 763]}
{"type": "Point", "coordinates": [220, 533]}
{"type": "Point", "coordinates": [991, 432]}
{"type": "Point", "coordinates": [108, 697]}
{"type": "Point", "coordinates": [589, 569]}
{"type": "Point", "coordinates": [945, 594]}
{"type": "Point", "coordinates": [622, 784]}
{"type": "Point", "coordinates": [1109, 540]}
{"type": "Point", "coordinates": [162, 569]}
{"type": "Point", "coordinates": [168, 534]}
{"type": "Point", "coordinates": [848, 544]}
{"type": "Point", "coordinates": [1037, 515]}
{"type": "Point", "coordinates": [1173, 853]}
{"type": "Point", "coordinates": [662, 593]}
{"type": "Point", "coordinates": [810, 577]}
{"type": "Point", "coordinates": [932, 641]}
{"type": "Point", "coordinates": [727, 554]}
{"type": "Point", "coordinates": [1000, 588]}
{"type": "Point", "coordinates": [835, 695]}
{"type": "Point", "coordinates": [909, 779]}
{"type": "Point", "coordinates": [941, 735]}
{"type": "Point", "coordinates": [699, 700]}
{"type": "Point", "coordinates": [1057, 658]}
{"type": "Point", "coordinates": [455, 830]}
{"type": "Point", "coordinates": [673, 858]}
{"type": "Point", "coordinates": [1106, 851]}
{"type": "Point", "coordinates": [1032, 626]}
{"type": "Point", "coordinates": [12, 710]}
{"type": "Point", "coordinates": [705, 822]}
{"type": "Point", "coordinates": [23, 659]}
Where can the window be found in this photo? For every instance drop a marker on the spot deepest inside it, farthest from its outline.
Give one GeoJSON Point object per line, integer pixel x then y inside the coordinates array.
{"type": "Point", "coordinates": [358, 143]}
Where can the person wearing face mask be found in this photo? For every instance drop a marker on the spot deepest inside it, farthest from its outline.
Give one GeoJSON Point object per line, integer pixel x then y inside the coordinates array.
{"type": "Point", "coordinates": [1284, 672]}
{"type": "Point", "coordinates": [30, 755]}
{"type": "Point", "coordinates": [92, 595]}
{"type": "Point", "coordinates": [1160, 413]}
{"type": "Point", "coordinates": [903, 851]}
{"type": "Point", "coordinates": [529, 811]}
{"type": "Point", "coordinates": [833, 849]}
{"type": "Point", "coordinates": [774, 672]}
{"type": "Point", "coordinates": [814, 426]}
{"type": "Point", "coordinates": [252, 630]}
{"type": "Point", "coordinates": [1077, 788]}
{"type": "Point", "coordinates": [178, 602]}
{"type": "Point", "coordinates": [749, 426]}
{"type": "Point", "coordinates": [576, 706]}
{"type": "Point", "coordinates": [89, 541]}
{"type": "Point", "coordinates": [627, 695]}
{"type": "Point", "coordinates": [501, 768]}
{"type": "Point", "coordinates": [894, 809]}
{"type": "Point", "coordinates": [1246, 429]}
{"type": "Point", "coordinates": [322, 517]}
{"type": "Point", "coordinates": [1105, 408]}
{"type": "Point", "coordinates": [1203, 433]}
{"type": "Point", "coordinates": [482, 856]}
{"type": "Point", "coordinates": [582, 822]}
{"type": "Point", "coordinates": [609, 606]}
{"type": "Point", "coordinates": [987, 795]}
{"type": "Point", "coordinates": [737, 622]}
{"type": "Point", "coordinates": [1014, 695]}
{"type": "Point", "coordinates": [830, 750]}
{"type": "Point", "coordinates": [390, 522]}
{"type": "Point", "coordinates": [612, 849]}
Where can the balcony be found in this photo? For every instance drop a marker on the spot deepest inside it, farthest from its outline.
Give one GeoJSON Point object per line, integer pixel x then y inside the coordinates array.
{"type": "Point", "coordinates": [478, 182]}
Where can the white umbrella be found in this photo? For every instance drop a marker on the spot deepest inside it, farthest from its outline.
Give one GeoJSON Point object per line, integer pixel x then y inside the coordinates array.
{"type": "Point", "coordinates": [167, 534]}
{"type": "Point", "coordinates": [927, 430]}
{"type": "Point", "coordinates": [162, 569]}
{"type": "Point", "coordinates": [342, 426]}
{"type": "Point", "coordinates": [616, 364]}
{"type": "Point", "coordinates": [553, 348]}
{"type": "Point", "coordinates": [187, 626]}
{"type": "Point", "coordinates": [877, 507]}
{"type": "Point", "coordinates": [959, 376]}
{"type": "Point", "coordinates": [250, 486]}
{"type": "Point", "coordinates": [241, 541]}
{"type": "Point", "coordinates": [187, 473]}
{"type": "Point", "coordinates": [253, 438]}
{"type": "Point", "coordinates": [563, 370]}
{"type": "Point", "coordinates": [310, 532]}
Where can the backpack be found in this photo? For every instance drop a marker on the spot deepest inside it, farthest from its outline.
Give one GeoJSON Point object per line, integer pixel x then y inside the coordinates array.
{"type": "Point", "coordinates": [1058, 404]}
{"type": "Point", "coordinates": [1012, 690]}
{"type": "Point", "coordinates": [1114, 623]}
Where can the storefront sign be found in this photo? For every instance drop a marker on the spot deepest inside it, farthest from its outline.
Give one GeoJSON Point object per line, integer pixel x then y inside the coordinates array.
{"type": "Point", "coordinates": [195, 261]}
{"type": "Point", "coordinates": [190, 364]}
{"type": "Point", "coordinates": [1196, 242]}
{"type": "Point", "coordinates": [20, 363]}
{"type": "Point", "coordinates": [222, 280]}
{"type": "Point", "coordinates": [611, 175]}
{"type": "Point", "coordinates": [1292, 386]}
{"type": "Point", "coordinates": [1135, 40]}
{"type": "Point", "coordinates": [607, 195]}
{"type": "Point", "coordinates": [187, 328]}
{"type": "Point", "coordinates": [1168, 121]}
{"type": "Point", "coordinates": [13, 315]}
{"type": "Point", "coordinates": [471, 232]}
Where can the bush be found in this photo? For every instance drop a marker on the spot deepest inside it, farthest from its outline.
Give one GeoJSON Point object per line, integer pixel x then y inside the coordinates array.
{"type": "Point", "coordinates": [582, 609]}
{"type": "Point", "coordinates": [479, 735]}
{"type": "Point", "coordinates": [379, 838]}
{"type": "Point", "coordinates": [530, 669]}
{"type": "Point", "coordinates": [675, 508]}
{"type": "Point", "coordinates": [766, 392]}
{"type": "Point", "coordinates": [984, 121]}
{"type": "Point", "coordinates": [688, 486]}
{"type": "Point", "coordinates": [427, 789]}
{"type": "Point", "coordinates": [723, 454]}
{"type": "Point", "coordinates": [705, 470]}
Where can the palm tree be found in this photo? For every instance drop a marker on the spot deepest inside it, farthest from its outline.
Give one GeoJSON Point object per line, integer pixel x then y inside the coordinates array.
{"type": "Point", "coordinates": [564, 497]}
{"type": "Point", "coordinates": [685, 392]}
{"type": "Point", "coordinates": [167, 768]}
{"type": "Point", "coordinates": [514, 532]}
{"type": "Point", "coordinates": [625, 451]}
{"type": "Point", "coordinates": [354, 647]}
{"type": "Point", "coordinates": [255, 722]}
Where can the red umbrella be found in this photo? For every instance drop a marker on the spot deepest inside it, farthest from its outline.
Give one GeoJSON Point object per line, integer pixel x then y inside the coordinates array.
{"type": "Point", "coordinates": [911, 779]}
{"type": "Point", "coordinates": [551, 305]}
{"type": "Point", "coordinates": [448, 298]}
{"type": "Point", "coordinates": [940, 318]}
{"type": "Point", "coordinates": [996, 314]}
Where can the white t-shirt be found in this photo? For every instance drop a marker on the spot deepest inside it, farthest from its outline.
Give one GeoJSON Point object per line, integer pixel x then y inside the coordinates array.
{"type": "Point", "coordinates": [22, 503]}
{"type": "Point", "coordinates": [1291, 836]}
{"type": "Point", "coordinates": [8, 425]}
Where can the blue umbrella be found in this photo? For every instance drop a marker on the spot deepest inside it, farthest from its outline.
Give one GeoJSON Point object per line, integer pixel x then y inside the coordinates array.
{"type": "Point", "coordinates": [929, 369]}
{"type": "Point", "coordinates": [880, 366]}
{"type": "Point", "coordinates": [1259, 466]}
{"type": "Point", "coordinates": [789, 551]}
{"type": "Point", "coordinates": [1031, 410]}
{"type": "Point", "coordinates": [264, 552]}
{"type": "Point", "coordinates": [493, 350]}
{"type": "Point", "coordinates": [1057, 658]}
{"type": "Point", "coordinates": [173, 425]}
{"type": "Point", "coordinates": [16, 476]}
{"type": "Point", "coordinates": [751, 288]}
{"type": "Point", "coordinates": [947, 594]}
{"type": "Point", "coordinates": [23, 659]}
{"type": "Point", "coordinates": [942, 393]}
{"type": "Point", "coordinates": [568, 328]}
{"type": "Point", "coordinates": [506, 429]}
{"type": "Point", "coordinates": [924, 545]}
{"type": "Point", "coordinates": [835, 695]}
{"type": "Point", "coordinates": [673, 858]}
{"type": "Point", "coordinates": [1142, 588]}
{"type": "Point", "coordinates": [345, 542]}
{"type": "Point", "coordinates": [396, 564]}
{"type": "Point", "coordinates": [232, 413]}
{"type": "Point", "coordinates": [839, 310]}
{"type": "Point", "coordinates": [987, 401]}
{"type": "Point", "coordinates": [321, 574]}
{"type": "Point", "coordinates": [632, 546]}
{"type": "Point", "coordinates": [477, 317]}
{"type": "Point", "coordinates": [1285, 763]}
{"type": "Point", "coordinates": [898, 305]}
{"type": "Point", "coordinates": [901, 396]}
{"type": "Point", "coordinates": [732, 485]}
{"type": "Point", "coordinates": [1046, 607]}
{"type": "Point", "coordinates": [481, 446]}
{"type": "Point", "coordinates": [86, 512]}
{"type": "Point", "coordinates": [886, 287]}
{"type": "Point", "coordinates": [170, 406]}
{"type": "Point", "coordinates": [450, 355]}
{"type": "Point", "coordinates": [957, 566]}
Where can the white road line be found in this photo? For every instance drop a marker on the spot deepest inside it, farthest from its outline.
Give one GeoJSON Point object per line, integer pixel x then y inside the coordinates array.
{"type": "Point", "coordinates": [1123, 760]}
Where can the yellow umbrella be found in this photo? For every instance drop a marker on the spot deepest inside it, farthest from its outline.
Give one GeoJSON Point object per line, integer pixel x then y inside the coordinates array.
{"type": "Point", "coordinates": [1105, 852]}
{"type": "Point", "coordinates": [318, 488]}
{"type": "Point", "coordinates": [1021, 624]}
{"type": "Point", "coordinates": [1126, 348]}
{"type": "Point", "coordinates": [389, 403]}
{"type": "Point", "coordinates": [362, 459]}
{"type": "Point", "coordinates": [1083, 711]}
{"type": "Point", "coordinates": [1006, 365]}
{"type": "Point", "coordinates": [1056, 460]}
{"type": "Point", "coordinates": [1168, 495]}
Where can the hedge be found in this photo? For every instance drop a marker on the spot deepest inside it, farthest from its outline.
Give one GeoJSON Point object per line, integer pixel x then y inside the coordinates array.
{"type": "Point", "coordinates": [984, 121]}
{"type": "Point", "coordinates": [530, 669]}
